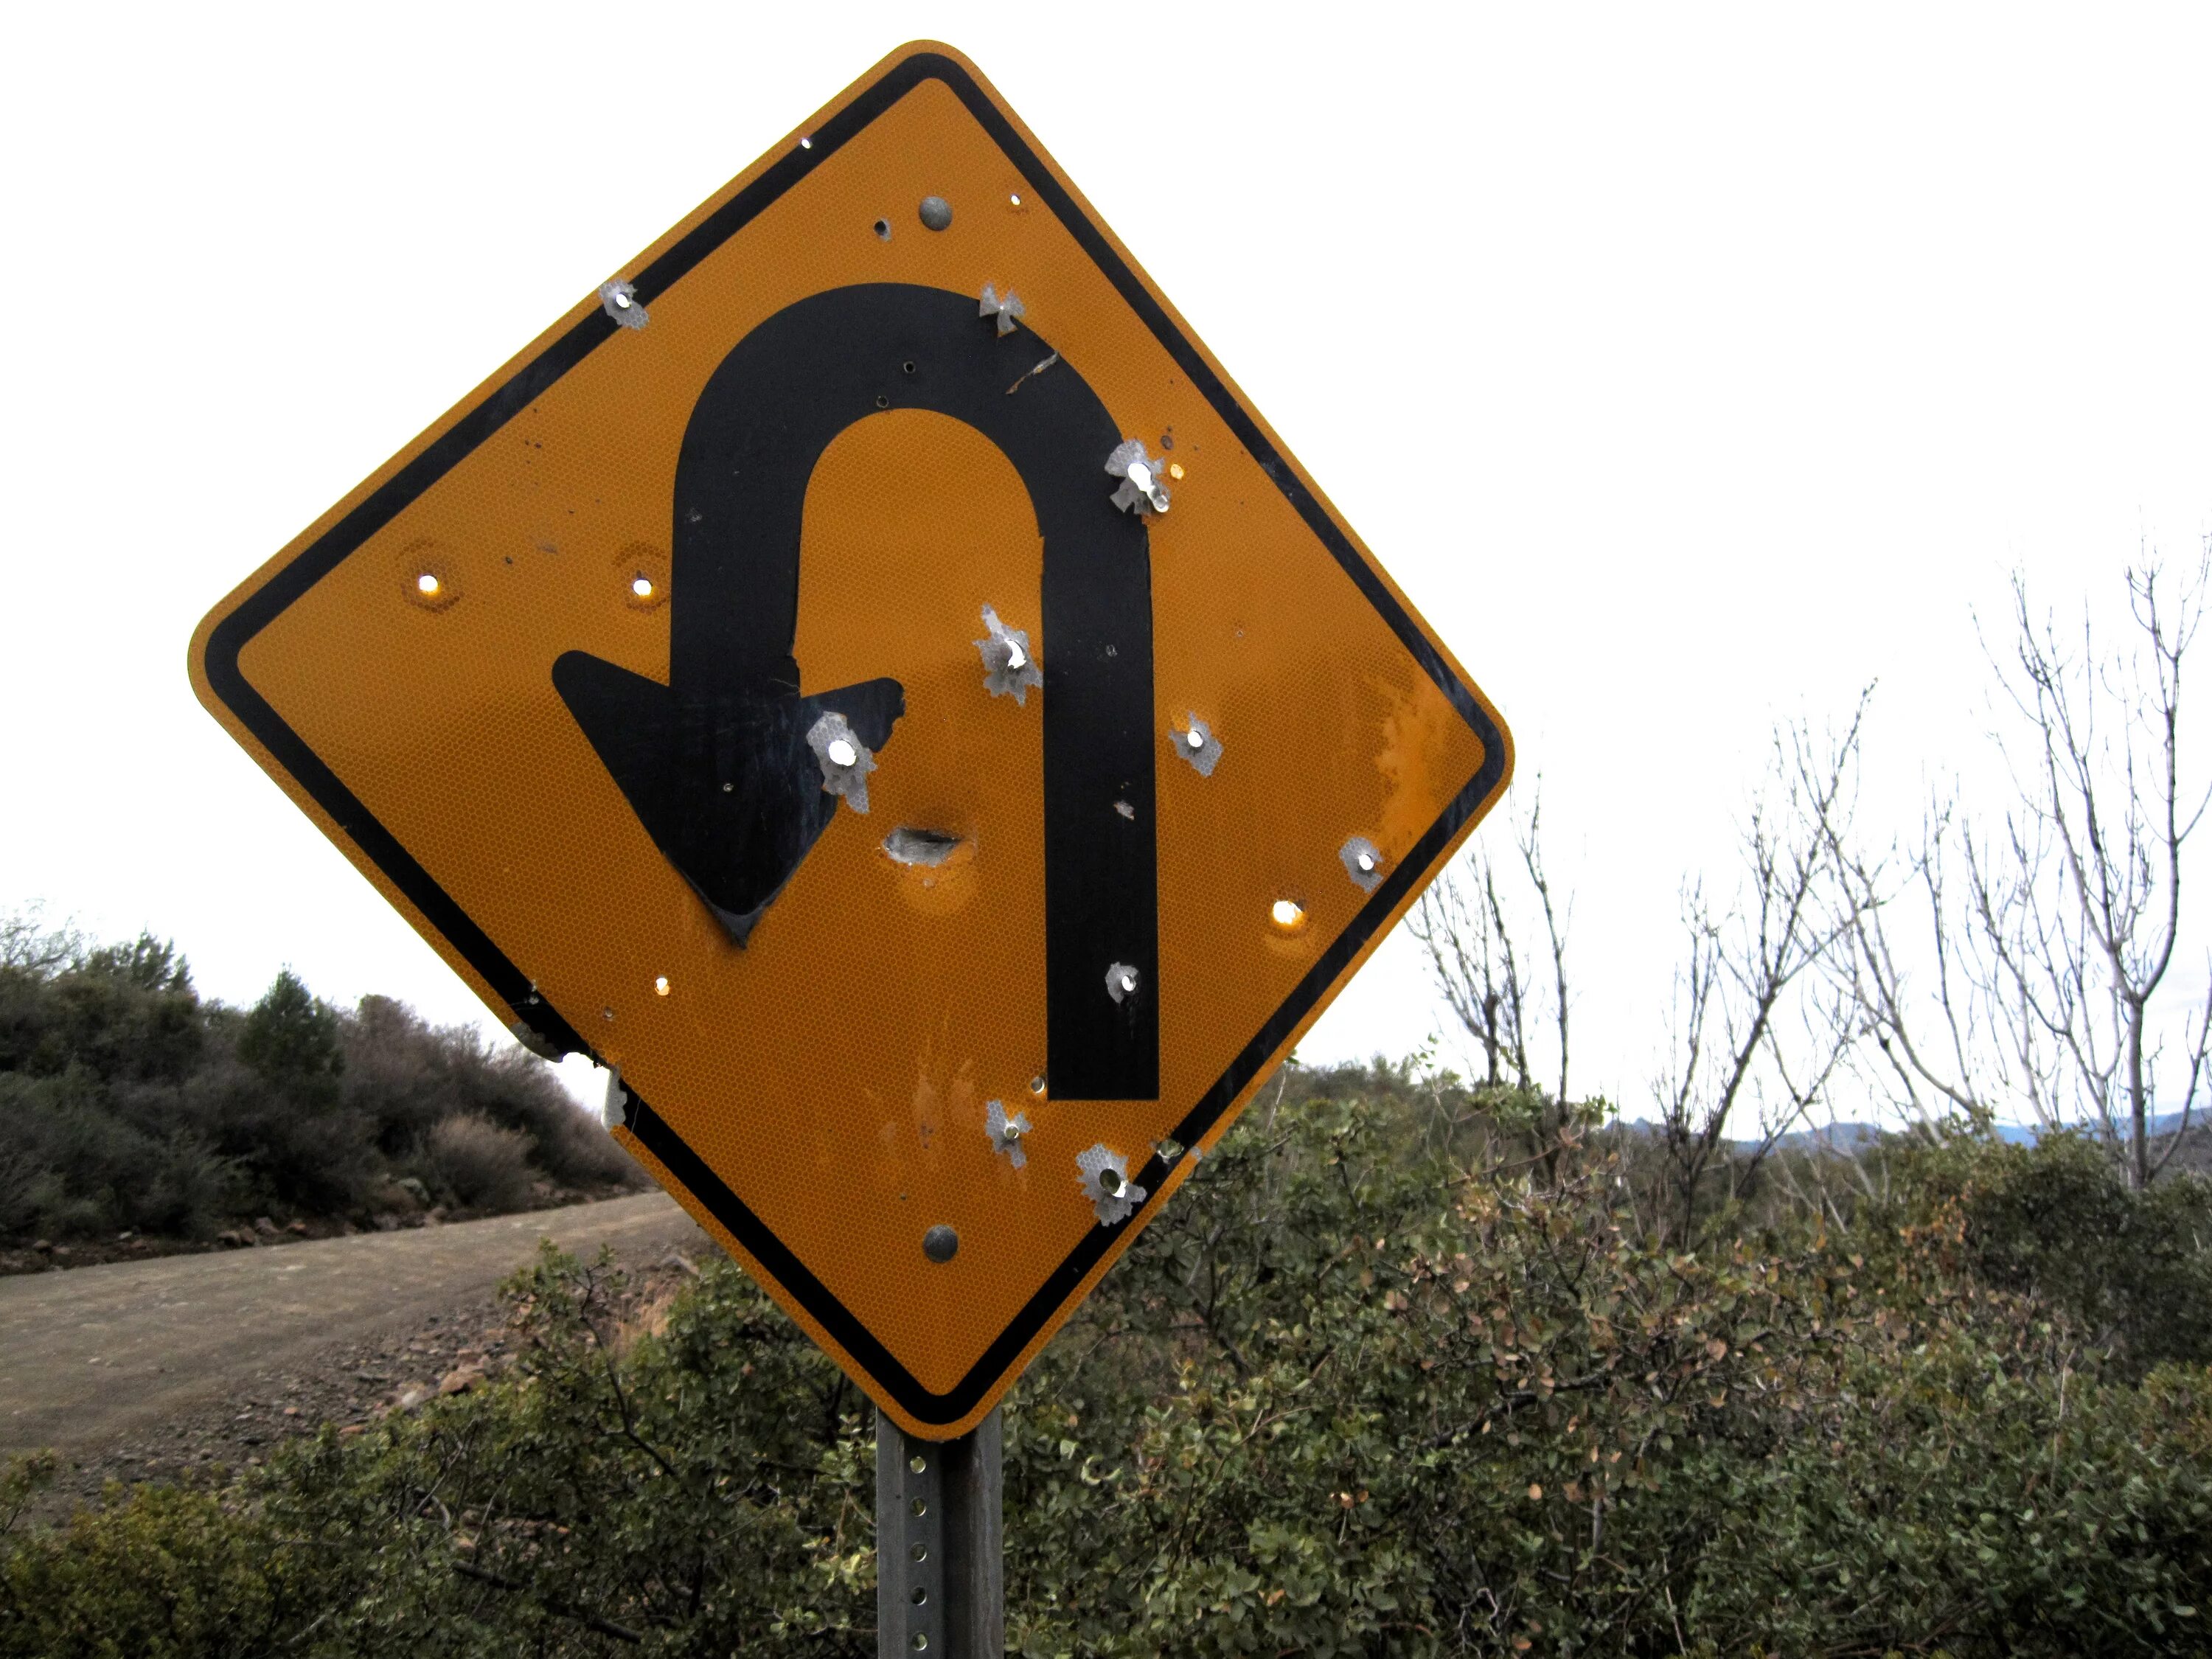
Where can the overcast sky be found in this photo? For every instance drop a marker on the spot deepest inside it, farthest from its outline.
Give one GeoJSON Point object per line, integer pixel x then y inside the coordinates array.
{"type": "Point", "coordinates": [1688, 369]}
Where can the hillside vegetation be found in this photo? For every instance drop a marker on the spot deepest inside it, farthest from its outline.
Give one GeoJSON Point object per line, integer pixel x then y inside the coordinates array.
{"type": "Point", "coordinates": [132, 1105]}
{"type": "Point", "coordinates": [1399, 1372]}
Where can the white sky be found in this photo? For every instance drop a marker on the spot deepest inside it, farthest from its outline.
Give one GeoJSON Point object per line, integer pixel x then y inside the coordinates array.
{"type": "Point", "coordinates": [1688, 371]}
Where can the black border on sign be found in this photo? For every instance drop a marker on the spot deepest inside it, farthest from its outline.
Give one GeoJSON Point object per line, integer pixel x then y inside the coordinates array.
{"type": "Point", "coordinates": [230, 637]}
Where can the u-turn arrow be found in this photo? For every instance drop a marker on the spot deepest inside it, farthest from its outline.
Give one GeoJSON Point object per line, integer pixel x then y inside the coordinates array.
{"type": "Point", "coordinates": [716, 763]}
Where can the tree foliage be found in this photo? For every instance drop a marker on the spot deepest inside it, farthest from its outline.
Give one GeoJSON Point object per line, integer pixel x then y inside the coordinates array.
{"type": "Point", "coordinates": [128, 1102]}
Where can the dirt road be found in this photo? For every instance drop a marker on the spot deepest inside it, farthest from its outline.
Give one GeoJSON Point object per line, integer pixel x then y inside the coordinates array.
{"type": "Point", "coordinates": [95, 1356]}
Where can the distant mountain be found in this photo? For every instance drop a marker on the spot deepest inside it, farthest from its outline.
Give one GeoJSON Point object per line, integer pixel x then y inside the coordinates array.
{"type": "Point", "coordinates": [1846, 1136]}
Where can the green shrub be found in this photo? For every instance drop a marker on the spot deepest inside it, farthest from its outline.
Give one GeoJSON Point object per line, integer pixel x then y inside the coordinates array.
{"type": "Point", "coordinates": [480, 1164]}
{"type": "Point", "coordinates": [125, 1101]}
{"type": "Point", "coordinates": [290, 1038]}
{"type": "Point", "coordinates": [2132, 1271]}
{"type": "Point", "coordinates": [1344, 1398]}
{"type": "Point", "coordinates": [120, 1011]}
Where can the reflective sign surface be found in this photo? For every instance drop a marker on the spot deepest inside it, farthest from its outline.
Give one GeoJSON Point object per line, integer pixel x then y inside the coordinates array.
{"type": "Point", "coordinates": [867, 674]}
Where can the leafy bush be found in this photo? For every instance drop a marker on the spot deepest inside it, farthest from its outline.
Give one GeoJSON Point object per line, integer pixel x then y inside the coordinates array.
{"type": "Point", "coordinates": [405, 1076]}
{"type": "Point", "coordinates": [118, 1012]}
{"type": "Point", "coordinates": [125, 1101]}
{"type": "Point", "coordinates": [74, 1166]}
{"type": "Point", "coordinates": [480, 1164]}
{"type": "Point", "coordinates": [290, 1037]}
{"type": "Point", "coordinates": [2131, 1270]}
{"type": "Point", "coordinates": [1347, 1396]}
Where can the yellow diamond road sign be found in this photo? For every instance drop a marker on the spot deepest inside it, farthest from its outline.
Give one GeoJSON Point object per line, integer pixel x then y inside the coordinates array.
{"type": "Point", "coordinates": [867, 674]}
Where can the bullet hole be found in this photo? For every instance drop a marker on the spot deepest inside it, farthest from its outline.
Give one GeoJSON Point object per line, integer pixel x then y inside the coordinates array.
{"type": "Point", "coordinates": [882, 402]}
{"type": "Point", "coordinates": [1362, 862]}
{"type": "Point", "coordinates": [642, 570]}
{"type": "Point", "coordinates": [882, 230]}
{"type": "Point", "coordinates": [1196, 744]}
{"type": "Point", "coordinates": [660, 986]}
{"type": "Point", "coordinates": [1103, 1176]}
{"type": "Point", "coordinates": [936, 212]}
{"type": "Point", "coordinates": [427, 576]}
{"type": "Point", "coordinates": [1014, 200]}
{"type": "Point", "coordinates": [909, 367]}
{"type": "Point", "coordinates": [1036, 1084]}
{"type": "Point", "coordinates": [1125, 810]}
{"type": "Point", "coordinates": [845, 760]}
{"type": "Point", "coordinates": [620, 301]}
{"type": "Point", "coordinates": [1287, 914]}
{"type": "Point", "coordinates": [925, 847]}
{"type": "Point", "coordinates": [1121, 982]}
{"type": "Point", "coordinates": [1010, 667]}
{"type": "Point", "coordinates": [1008, 311]}
{"type": "Point", "coordinates": [806, 144]}
{"type": "Point", "coordinates": [1141, 490]}
{"type": "Point", "coordinates": [1005, 1130]}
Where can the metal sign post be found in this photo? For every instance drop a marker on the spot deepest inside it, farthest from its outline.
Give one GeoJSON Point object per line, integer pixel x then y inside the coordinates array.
{"type": "Point", "coordinates": [941, 1543]}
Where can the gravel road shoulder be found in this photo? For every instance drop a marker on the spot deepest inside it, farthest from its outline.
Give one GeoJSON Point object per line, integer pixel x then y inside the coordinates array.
{"type": "Point", "coordinates": [184, 1367]}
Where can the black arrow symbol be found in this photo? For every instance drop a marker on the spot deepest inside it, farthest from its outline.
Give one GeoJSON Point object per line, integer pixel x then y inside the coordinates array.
{"type": "Point", "coordinates": [721, 773]}
{"type": "Point", "coordinates": [716, 763]}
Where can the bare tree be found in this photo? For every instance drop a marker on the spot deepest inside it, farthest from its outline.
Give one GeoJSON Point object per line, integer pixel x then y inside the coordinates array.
{"type": "Point", "coordinates": [2046, 969]}
{"type": "Point", "coordinates": [1466, 927]}
{"type": "Point", "coordinates": [28, 945]}
{"type": "Point", "coordinates": [1759, 1023]}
